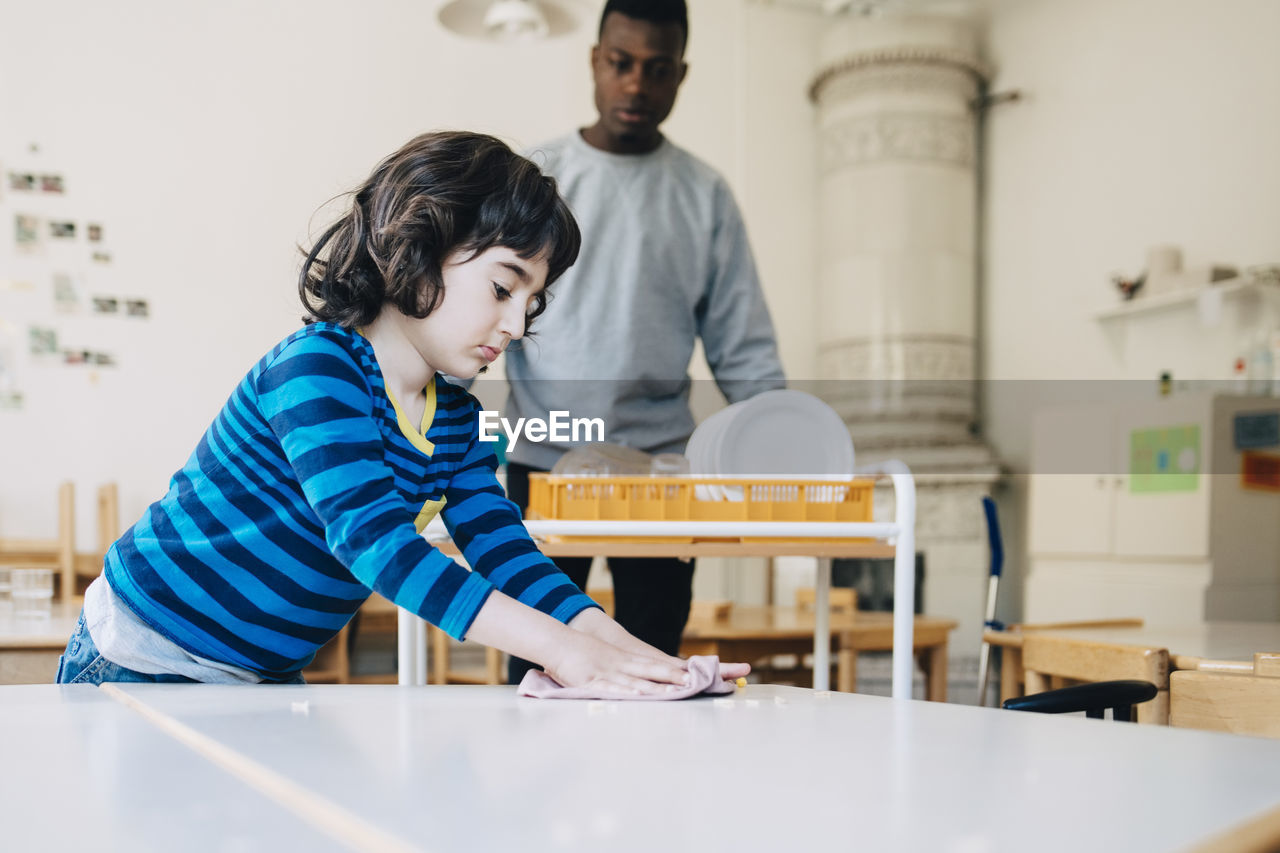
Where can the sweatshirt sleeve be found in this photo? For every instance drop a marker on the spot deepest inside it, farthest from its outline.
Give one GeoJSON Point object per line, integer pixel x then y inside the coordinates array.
{"type": "Point", "coordinates": [320, 407]}
{"type": "Point", "coordinates": [733, 319]}
{"type": "Point", "coordinates": [488, 529]}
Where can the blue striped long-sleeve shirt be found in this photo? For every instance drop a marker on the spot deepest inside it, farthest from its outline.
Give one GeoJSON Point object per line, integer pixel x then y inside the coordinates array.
{"type": "Point", "coordinates": [308, 490]}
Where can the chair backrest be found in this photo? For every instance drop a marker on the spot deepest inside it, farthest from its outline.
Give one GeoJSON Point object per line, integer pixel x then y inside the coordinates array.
{"type": "Point", "coordinates": [841, 598]}
{"type": "Point", "coordinates": [75, 569]}
{"type": "Point", "coordinates": [108, 516]}
{"type": "Point", "coordinates": [88, 564]}
{"type": "Point", "coordinates": [58, 553]}
{"type": "Point", "coordinates": [1057, 661]}
{"type": "Point", "coordinates": [1224, 701]}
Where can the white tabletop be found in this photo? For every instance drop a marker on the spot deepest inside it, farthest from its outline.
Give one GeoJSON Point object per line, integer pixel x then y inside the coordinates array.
{"type": "Point", "coordinates": [477, 768]}
{"type": "Point", "coordinates": [79, 771]}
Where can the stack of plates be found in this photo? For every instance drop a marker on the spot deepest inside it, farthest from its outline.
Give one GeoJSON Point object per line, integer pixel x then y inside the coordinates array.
{"type": "Point", "coordinates": [777, 434]}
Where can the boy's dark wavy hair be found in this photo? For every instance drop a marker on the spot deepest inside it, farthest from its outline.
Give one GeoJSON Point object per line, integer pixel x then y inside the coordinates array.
{"type": "Point", "coordinates": [442, 192]}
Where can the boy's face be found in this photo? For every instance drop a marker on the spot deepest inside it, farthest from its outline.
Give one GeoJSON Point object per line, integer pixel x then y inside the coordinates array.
{"type": "Point", "coordinates": [638, 67]}
{"type": "Point", "coordinates": [486, 302]}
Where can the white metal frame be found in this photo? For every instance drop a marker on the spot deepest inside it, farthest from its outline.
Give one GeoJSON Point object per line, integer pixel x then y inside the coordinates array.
{"type": "Point", "coordinates": [412, 631]}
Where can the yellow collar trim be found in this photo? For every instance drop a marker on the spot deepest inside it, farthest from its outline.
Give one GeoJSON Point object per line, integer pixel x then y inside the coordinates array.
{"type": "Point", "coordinates": [417, 437]}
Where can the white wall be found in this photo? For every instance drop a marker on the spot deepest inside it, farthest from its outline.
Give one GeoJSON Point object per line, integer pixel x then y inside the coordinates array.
{"type": "Point", "coordinates": [1142, 122]}
{"type": "Point", "coordinates": [205, 135]}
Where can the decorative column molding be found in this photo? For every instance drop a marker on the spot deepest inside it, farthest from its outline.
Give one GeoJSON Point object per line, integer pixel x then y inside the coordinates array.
{"type": "Point", "coordinates": [904, 66]}
{"type": "Point", "coordinates": [896, 136]}
{"type": "Point", "coordinates": [897, 296]}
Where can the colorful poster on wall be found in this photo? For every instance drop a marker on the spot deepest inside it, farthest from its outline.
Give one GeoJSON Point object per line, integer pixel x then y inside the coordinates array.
{"type": "Point", "coordinates": [1165, 459]}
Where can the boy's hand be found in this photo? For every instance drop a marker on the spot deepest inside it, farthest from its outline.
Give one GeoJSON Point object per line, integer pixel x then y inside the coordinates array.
{"type": "Point", "coordinates": [592, 663]}
{"type": "Point", "coordinates": [600, 626]}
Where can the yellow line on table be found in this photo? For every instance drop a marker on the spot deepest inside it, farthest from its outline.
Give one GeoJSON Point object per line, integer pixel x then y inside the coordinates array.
{"type": "Point", "coordinates": [334, 819]}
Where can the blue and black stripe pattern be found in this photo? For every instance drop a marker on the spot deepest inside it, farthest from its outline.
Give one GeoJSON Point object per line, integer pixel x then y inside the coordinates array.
{"type": "Point", "coordinates": [302, 496]}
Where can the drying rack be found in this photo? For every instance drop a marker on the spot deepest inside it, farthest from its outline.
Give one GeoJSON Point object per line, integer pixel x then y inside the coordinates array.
{"type": "Point", "coordinates": [823, 540]}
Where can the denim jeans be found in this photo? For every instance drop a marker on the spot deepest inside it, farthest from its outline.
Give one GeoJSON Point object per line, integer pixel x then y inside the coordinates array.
{"type": "Point", "coordinates": [81, 663]}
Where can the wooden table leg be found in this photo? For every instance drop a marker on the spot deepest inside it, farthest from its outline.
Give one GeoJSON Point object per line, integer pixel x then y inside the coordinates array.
{"type": "Point", "coordinates": [933, 660]}
{"type": "Point", "coordinates": [1010, 672]}
{"type": "Point", "coordinates": [847, 668]}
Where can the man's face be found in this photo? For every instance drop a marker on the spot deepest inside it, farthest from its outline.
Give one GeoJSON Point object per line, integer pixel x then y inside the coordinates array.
{"type": "Point", "coordinates": [638, 67]}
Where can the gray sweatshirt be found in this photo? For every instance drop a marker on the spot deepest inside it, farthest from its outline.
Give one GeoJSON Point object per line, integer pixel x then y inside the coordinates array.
{"type": "Point", "coordinates": [664, 260]}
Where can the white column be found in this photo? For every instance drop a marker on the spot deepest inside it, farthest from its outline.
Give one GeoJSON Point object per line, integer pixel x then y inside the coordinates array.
{"type": "Point", "coordinates": [897, 206]}
{"type": "Point", "coordinates": [896, 298]}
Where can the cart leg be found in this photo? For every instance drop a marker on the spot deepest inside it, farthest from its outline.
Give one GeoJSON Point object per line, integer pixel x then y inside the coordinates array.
{"type": "Point", "coordinates": [822, 626]}
{"type": "Point", "coordinates": [411, 644]}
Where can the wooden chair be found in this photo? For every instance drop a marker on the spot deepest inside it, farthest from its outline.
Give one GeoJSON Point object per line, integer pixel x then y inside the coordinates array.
{"type": "Point", "coordinates": [442, 673]}
{"type": "Point", "coordinates": [840, 597]}
{"type": "Point", "coordinates": [378, 615]}
{"type": "Point", "coordinates": [332, 664]}
{"type": "Point", "coordinates": [1010, 640]}
{"type": "Point", "coordinates": [74, 569]}
{"type": "Point", "coordinates": [57, 553]}
{"type": "Point", "coordinates": [1055, 662]}
{"type": "Point", "coordinates": [798, 668]}
{"type": "Point", "coordinates": [1218, 696]}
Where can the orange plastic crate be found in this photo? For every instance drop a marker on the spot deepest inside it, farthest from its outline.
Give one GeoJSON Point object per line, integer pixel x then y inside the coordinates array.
{"type": "Point", "coordinates": [677, 499]}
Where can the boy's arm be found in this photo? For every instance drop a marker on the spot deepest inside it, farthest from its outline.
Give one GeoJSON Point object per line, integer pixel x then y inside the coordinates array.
{"type": "Point", "coordinates": [487, 528]}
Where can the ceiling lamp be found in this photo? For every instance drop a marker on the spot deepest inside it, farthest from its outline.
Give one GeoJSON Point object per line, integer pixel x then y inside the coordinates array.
{"type": "Point", "coordinates": [509, 20]}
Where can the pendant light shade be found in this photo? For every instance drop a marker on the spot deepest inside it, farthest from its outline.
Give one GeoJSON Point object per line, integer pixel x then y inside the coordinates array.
{"type": "Point", "coordinates": [510, 20]}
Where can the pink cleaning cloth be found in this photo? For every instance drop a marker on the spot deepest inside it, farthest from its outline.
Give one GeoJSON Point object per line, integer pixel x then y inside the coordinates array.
{"type": "Point", "coordinates": [703, 677]}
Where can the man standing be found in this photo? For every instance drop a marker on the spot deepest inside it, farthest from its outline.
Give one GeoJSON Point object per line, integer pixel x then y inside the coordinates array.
{"type": "Point", "coordinates": [664, 261]}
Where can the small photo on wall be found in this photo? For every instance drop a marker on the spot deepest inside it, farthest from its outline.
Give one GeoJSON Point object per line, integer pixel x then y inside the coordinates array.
{"type": "Point", "coordinates": [51, 184]}
{"type": "Point", "coordinates": [106, 305]}
{"type": "Point", "coordinates": [94, 232]}
{"type": "Point", "coordinates": [137, 308]}
{"type": "Point", "coordinates": [22, 182]}
{"type": "Point", "coordinates": [101, 257]}
{"type": "Point", "coordinates": [26, 230]}
{"type": "Point", "coordinates": [62, 230]}
{"type": "Point", "coordinates": [66, 293]}
{"type": "Point", "coordinates": [42, 340]}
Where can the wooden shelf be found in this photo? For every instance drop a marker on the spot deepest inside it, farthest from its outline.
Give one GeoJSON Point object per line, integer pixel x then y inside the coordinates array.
{"type": "Point", "coordinates": [1147, 304]}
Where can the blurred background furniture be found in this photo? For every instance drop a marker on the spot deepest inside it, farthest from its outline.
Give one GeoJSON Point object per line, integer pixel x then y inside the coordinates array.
{"type": "Point", "coordinates": [756, 633]}
{"type": "Point", "coordinates": [29, 648]}
{"type": "Point", "coordinates": [74, 569]}
{"type": "Point", "coordinates": [1092, 699]}
{"type": "Point", "coordinates": [1008, 643]}
{"type": "Point", "coordinates": [1222, 697]}
{"type": "Point", "coordinates": [1052, 662]}
{"type": "Point", "coordinates": [56, 552]}
{"type": "Point", "coordinates": [1206, 646]}
{"type": "Point", "coordinates": [375, 626]}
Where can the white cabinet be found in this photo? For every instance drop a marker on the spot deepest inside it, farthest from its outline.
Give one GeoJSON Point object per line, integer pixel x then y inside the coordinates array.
{"type": "Point", "coordinates": [1138, 509]}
